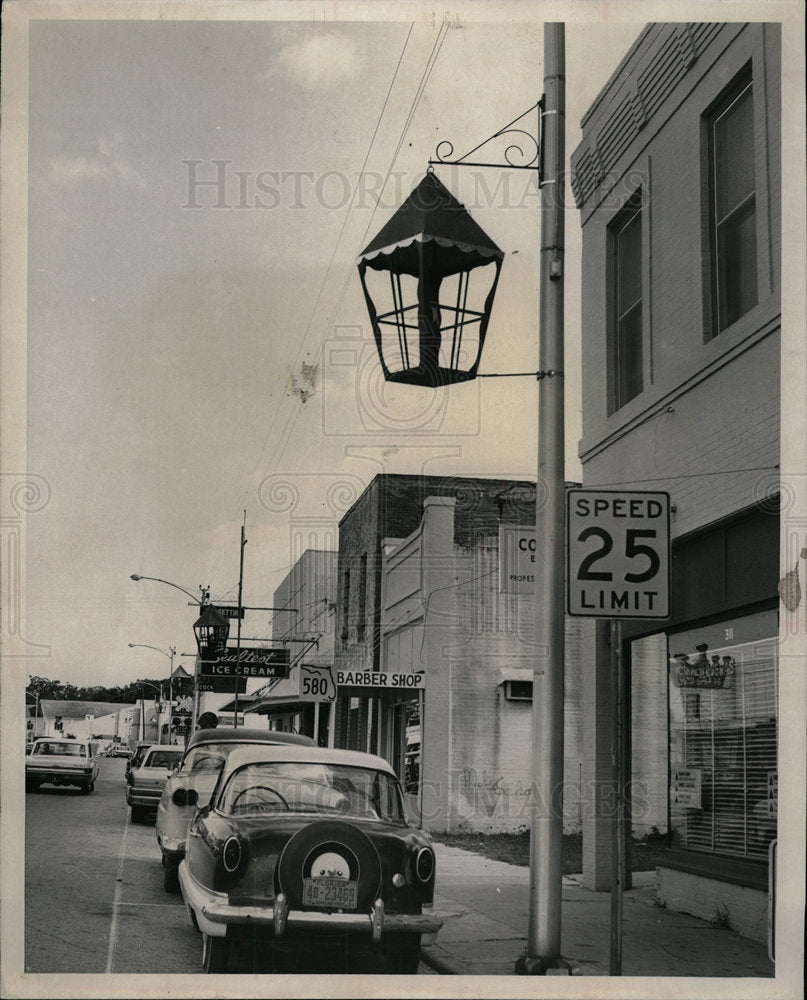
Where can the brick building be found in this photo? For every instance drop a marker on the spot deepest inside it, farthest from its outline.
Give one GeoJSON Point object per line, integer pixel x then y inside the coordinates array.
{"type": "Point", "coordinates": [420, 608]}
{"type": "Point", "coordinates": [677, 179]}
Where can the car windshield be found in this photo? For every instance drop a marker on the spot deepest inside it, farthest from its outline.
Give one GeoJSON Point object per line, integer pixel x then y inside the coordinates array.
{"type": "Point", "coordinates": [275, 788]}
{"type": "Point", "coordinates": [64, 749]}
{"type": "Point", "coordinates": [163, 758]}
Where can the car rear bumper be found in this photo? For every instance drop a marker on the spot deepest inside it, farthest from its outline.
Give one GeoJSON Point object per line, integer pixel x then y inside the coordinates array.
{"type": "Point", "coordinates": [213, 913]}
{"type": "Point", "coordinates": [72, 776]}
{"type": "Point", "coordinates": [141, 797]}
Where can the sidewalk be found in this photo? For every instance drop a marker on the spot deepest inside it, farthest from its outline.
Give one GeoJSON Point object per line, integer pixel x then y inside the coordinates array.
{"type": "Point", "coordinates": [485, 904]}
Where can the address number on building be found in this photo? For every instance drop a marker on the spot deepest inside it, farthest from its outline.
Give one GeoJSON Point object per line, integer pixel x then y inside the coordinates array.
{"type": "Point", "coordinates": [618, 554]}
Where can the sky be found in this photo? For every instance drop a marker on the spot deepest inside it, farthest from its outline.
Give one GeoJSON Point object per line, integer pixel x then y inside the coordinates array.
{"type": "Point", "coordinates": [198, 193]}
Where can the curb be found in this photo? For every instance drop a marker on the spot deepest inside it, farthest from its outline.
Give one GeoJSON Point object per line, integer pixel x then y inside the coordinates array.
{"type": "Point", "coordinates": [442, 963]}
{"type": "Point", "coordinates": [446, 966]}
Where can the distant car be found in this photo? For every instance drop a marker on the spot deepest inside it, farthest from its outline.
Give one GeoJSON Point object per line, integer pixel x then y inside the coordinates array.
{"type": "Point", "coordinates": [119, 750]}
{"type": "Point", "coordinates": [62, 762]}
{"type": "Point", "coordinates": [204, 757]}
{"type": "Point", "coordinates": [146, 781]}
{"type": "Point", "coordinates": [308, 850]}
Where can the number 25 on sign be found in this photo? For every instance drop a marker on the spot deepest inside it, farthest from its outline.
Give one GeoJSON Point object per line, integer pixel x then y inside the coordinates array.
{"type": "Point", "coordinates": [618, 554]}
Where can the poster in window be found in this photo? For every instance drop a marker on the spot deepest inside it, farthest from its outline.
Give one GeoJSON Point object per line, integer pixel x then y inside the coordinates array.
{"type": "Point", "coordinates": [687, 788]}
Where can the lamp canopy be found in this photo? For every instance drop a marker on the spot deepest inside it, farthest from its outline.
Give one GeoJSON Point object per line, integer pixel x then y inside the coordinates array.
{"type": "Point", "coordinates": [428, 249]}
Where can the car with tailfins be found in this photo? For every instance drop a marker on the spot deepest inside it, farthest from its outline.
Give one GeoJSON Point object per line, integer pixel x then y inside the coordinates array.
{"type": "Point", "coordinates": [308, 850]}
{"type": "Point", "coordinates": [62, 761]}
{"type": "Point", "coordinates": [145, 782]}
{"type": "Point", "coordinates": [204, 757]}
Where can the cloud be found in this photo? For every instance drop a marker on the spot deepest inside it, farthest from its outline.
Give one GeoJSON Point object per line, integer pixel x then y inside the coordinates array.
{"type": "Point", "coordinates": [108, 163]}
{"type": "Point", "coordinates": [317, 63]}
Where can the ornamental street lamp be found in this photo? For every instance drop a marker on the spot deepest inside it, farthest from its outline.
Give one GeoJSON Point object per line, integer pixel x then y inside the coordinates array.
{"type": "Point", "coordinates": [430, 238]}
{"type": "Point", "coordinates": [211, 629]}
{"type": "Point", "coordinates": [430, 323]}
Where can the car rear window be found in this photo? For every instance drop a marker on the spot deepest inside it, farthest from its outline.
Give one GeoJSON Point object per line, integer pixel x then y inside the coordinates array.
{"type": "Point", "coordinates": [163, 758]}
{"type": "Point", "coordinates": [207, 758]}
{"type": "Point", "coordinates": [278, 787]}
{"type": "Point", "coordinates": [63, 749]}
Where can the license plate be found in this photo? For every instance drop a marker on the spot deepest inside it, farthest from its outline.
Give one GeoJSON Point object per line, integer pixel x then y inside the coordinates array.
{"type": "Point", "coordinates": [337, 893]}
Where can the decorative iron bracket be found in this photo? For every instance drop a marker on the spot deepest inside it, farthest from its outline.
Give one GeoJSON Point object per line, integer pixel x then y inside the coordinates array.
{"type": "Point", "coordinates": [512, 151]}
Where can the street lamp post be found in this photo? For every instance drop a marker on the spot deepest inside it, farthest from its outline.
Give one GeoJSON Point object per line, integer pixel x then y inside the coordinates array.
{"type": "Point", "coordinates": [202, 602]}
{"type": "Point", "coordinates": [205, 590]}
{"type": "Point", "coordinates": [159, 690]}
{"type": "Point", "coordinates": [170, 654]}
{"type": "Point", "coordinates": [432, 238]}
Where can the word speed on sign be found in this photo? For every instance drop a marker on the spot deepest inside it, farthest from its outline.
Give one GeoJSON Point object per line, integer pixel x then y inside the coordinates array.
{"type": "Point", "coordinates": [618, 554]}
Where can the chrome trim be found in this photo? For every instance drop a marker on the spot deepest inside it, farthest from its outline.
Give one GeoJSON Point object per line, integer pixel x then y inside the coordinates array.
{"type": "Point", "coordinates": [172, 844]}
{"type": "Point", "coordinates": [375, 922]}
{"type": "Point", "coordinates": [213, 912]}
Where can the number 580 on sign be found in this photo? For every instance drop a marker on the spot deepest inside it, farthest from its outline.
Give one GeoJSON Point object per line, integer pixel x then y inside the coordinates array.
{"type": "Point", "coordinates": [618, 554]}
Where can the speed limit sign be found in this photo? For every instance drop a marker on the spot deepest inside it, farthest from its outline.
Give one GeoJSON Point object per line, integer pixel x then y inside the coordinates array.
{"type": "Point", "coordinates": [618, 554]}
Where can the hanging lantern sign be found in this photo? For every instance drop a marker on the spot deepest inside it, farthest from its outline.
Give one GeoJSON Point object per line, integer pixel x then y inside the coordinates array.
{"type": "Point", "coordinates": [429, 318]}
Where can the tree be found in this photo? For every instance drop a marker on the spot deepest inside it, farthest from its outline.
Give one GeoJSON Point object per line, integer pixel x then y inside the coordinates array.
{"type": "Point", "coordinates": [44, 687]}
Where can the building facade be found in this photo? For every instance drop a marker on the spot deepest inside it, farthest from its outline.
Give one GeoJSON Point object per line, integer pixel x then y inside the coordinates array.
{"type": "Point", "coordinates": [87, 719]}
{"type": "Point", "coordinates": [434, 655]}
{"type": "Point", "coordinates": [677, 179]}
{"type": "Point", "coordinates": [303, 621]}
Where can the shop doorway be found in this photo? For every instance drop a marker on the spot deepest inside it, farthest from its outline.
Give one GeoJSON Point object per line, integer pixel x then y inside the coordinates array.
{"type": "Point", "coordinates": [404, 748]}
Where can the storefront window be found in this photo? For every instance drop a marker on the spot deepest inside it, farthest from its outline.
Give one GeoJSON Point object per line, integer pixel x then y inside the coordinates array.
{"type": "Point", "coordinates": [723, 735]}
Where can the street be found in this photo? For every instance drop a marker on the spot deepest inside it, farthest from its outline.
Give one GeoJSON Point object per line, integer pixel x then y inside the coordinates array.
{"type": "Point", "coordinates": [94, 897]}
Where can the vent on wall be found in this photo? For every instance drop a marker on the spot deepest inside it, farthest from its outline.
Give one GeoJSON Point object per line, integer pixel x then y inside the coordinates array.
{"type": "Point", "coordinates": [518, 690]}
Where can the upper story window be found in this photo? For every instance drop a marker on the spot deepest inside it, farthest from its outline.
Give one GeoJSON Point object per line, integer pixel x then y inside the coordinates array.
{"type": "Point", "coordinates": [732, 206]}
{"type": "Point", "coordinates": [361, 619]}
{"type": "Point", "coordinates": [345, 606]}
{"type": "Point", "coordinates": [626, 361]}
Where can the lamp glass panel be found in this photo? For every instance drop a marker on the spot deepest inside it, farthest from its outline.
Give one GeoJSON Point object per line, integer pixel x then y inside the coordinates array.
{"type": "Point", "coordinates": [462, 303]}
{"type": "Point", "coordinates": [397, 295]}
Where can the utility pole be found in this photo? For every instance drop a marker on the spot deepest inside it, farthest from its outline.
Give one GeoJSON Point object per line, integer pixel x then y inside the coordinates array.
{"type": "Point", "coordinates": [238, 633]}
{"type": "Point", "coordinates": [544, 929]}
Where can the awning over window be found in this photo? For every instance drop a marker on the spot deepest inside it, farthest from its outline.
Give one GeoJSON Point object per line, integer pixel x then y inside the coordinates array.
{"type": "Point", "coordinates": [514, 674]}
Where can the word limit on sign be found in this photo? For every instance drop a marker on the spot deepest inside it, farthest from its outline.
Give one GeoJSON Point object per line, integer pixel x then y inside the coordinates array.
{"type": "Point", "coordinates": [618, 554]}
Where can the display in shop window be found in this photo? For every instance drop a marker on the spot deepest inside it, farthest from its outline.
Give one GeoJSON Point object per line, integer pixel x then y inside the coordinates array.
{"type": "Point", "coordinates": [702, 672]}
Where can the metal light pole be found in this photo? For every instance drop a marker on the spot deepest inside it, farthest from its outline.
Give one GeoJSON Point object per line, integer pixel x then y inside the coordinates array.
{"type": "Point", "coordinates": [205, 599]}
{"type": "Point", "coordinates": [170, 654]}
{"type": "Point", "coordinates": [238, 633]}
{"type": "Point", "coordinates": [159, 690]}
{"type": "Point", "coordinates": [205, 590]}
{"type": "Point", "coordinates": [544, 930]}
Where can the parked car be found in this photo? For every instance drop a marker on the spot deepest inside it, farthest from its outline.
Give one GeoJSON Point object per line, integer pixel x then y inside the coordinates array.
{"type": "Point", "coordinates": [309, 849]}
{"type": "Point", "coordinates": [119, 750]}
{"type": "Point", "coordinates": [136, 758]}
{"type": "Point", "coordinates": [62, 762]}
{"type": "Point", "coordinates": [145, 782]}
{"type": "Point", "coordinates": [204, 757]}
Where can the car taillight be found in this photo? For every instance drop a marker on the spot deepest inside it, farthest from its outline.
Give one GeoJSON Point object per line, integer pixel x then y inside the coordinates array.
{"type": "Point", "coordinates": [424, 864]}
{"type": "Point", "coordinates": [231, 854]}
